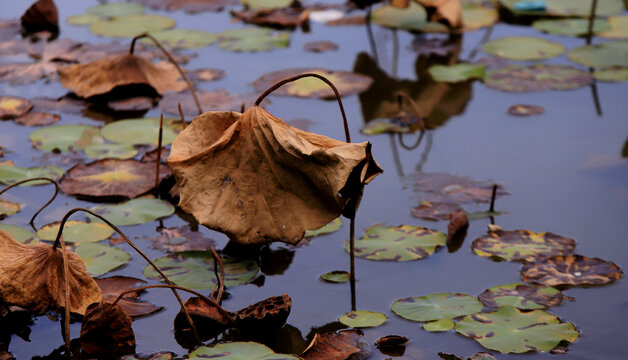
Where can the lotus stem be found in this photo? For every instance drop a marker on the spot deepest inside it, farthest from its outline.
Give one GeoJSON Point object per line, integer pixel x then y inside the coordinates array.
{"type": "Point", "coordinates": [54, 196]}
{"type": "Point", "coordinates": [352, 261]}
{"type": "Point", "coordinates": [173, 61]}
{"type": "Point", "coordinates": [591, 21]}
{"type": "Point", "coordinates": [116, 229]}
{"type": "Point", "coordinates": [66, 276]}
{"type": "Point", "coordinates": [221, 279]}
{"type": "Point", "coordinates": [413, 146]}
{"type": "Point", "coordinates": [297, 77]}
{"type": "Point", "coordinates": [183, 123]}
{"type": "Point", "coordinates": [493, 196]}
{"type": "Point", "coordinates": [159, 137]}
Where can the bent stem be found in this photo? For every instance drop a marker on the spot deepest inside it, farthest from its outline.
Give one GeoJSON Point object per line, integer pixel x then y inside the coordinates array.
{"type": "Point", "coordinates": [173, 61]}
{"type": "Point", "coordinates": [221, 278]}
{"type": "Point", "coordinates": [66, 277]}
{"type": "Point", "coordinates": [54, 196]}
{"type": "Point", "coordinates": [116, 229]}
{"type": "Point", "coordinates": [493, 196]}
{"type": "Point", "coordinates": [183, 123]}
{"type": "Point", "coordinates": [159, 137]}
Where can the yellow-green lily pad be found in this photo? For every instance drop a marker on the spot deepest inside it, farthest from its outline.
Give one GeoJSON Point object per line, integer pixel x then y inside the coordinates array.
{"type": "Point", "coordinates": [183, 38]}
{"type": "Point", "coordinates": [618, 28]}
{"type": "Point", "coordinates": [238, 351]}
{"type": "Point", "coordinates": [65, 137]}
{"type": "Point", "coordinates": [111, 151]}
{"type": "Point", "coordinates": [82, 19]}
{"type": "Point", "coordinates": [602, 55]}
{"type": "Point", "coordinates": [133, 212]}
{"type": "Point", "coordinates": [8, 208]}
{"type": "Point", "coordinates": [139, 132]}
{"type": "Point", "coordinates": [436, 306]}
{"type": "Point", "coordinates": [12, 107]}
{"type": "Point", "coordinates": [612, 74]}
{"type": "Point", "coordinates": [457, 72]}
{"type": "Point", "coordinates": [20, 234]}
{"type": "Point", "coordinates": [332, 227]}
{"type": "Point", "coordinates": [266, 4]}
{"type": "Point", "coordinates": [523, 48]}
{"type": "Point", "coordinates": [363, 319]}
{"type": "Point", "coordinates": [570, 27]}
{"type": "Point", "coordinates": [131, 25]}
{"type": "Point", "coordinates": [338, 276]}
{"type": "Point", "coordinates": [100, 259]}
{"type": "Point", "coordinates": [477, 16]}
{"type": "Point", "coordinates": [252, 40]}
{"type": "Point", "coordinates": [439, 325]}
{"type": "Point", "coordinates": [12, 174]}
{"type": "Point", "coordinates": [76, 231]}
{"type": "Point", "coordinates": [414, 18]}
{"type": "Point", "coordinates": [522, 245]}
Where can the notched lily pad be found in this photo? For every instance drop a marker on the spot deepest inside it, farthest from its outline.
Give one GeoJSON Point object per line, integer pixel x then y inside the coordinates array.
{"type": "Point", "coordinates": [523, 48]}
{"type": "Point", "coordinates": [76, 231]}
{"type": "Point", "coordinates": [522, 245]}
{"type": "Point", "coordinates": [348, 83]}
{"type": "Point", "coordinates": [363, 319]}
{"type": "Point", "coordinates": [398, 243]}
{"type": "Point", "coordinates": [136, 211]}
{"type": "Point", "coordinates": [252, 40]}
{"type": "Point", "coordinates": [539, 77]}
{"type": "Point", "coordinates": [436, 306]}
{"type": "Point", "coordinates": [568, 270]}
{"type": "Point", "coordinates": [10, 174]}
{"type": "Point", "coordinates": [100, 258]}
{"type": "Point", "coordinates": [238, 351]}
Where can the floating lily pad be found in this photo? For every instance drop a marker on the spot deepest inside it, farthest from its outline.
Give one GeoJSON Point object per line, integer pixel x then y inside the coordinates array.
{"type": "Point", "coordinates": [179, 239]}
{"type": "Point", "coordinates": [607, 54]}
{"type": "Point", "coordinates": [136, 211]}
{"type": "Point", "coordinates": [523, 48]}
{"type": "Point", "coordinates": [612, 74]}
{"type": "Point", "coordinates": [571, 270]}
{"type": "Point", "coordinates": [76, 231]}
{"type": "Point", "coordinates": [522, 296]}
{"type": "Point", "coordinates": [65, 137]}
{"type": "Point", "coordinates": [332, 227]}
{"type": "Point", "coordinates": [20, 234]}
{"type": "Point", "coordinates": [131, 25]}
{"type": "Point", "coordinates": [538, 77]}
{"type": "Point", "coordinates": [363, 319]}
{"type": "Point", "coordinates": [414, 17]}
{"type": "Point", "coordinates": [139, 132]}
{"type": "Point", "coordinates": [398, 243]}
{"type": "Point", "coordinates": [436, 306]}
{"type": "Point", "coordinates": [252, 40]}
{"type": "Point", "coordinates": [522, 245]}
{"type": "Point", "coordinates": [8, 208]}
{"type": "Point", "coordinates": [37, 119]}
{"type": "Point", "coordinates": [509, 330]}
{"type": "Point", "coordinates": [100, 259]}
{"type": "Point", "coordinates": [447, 188]}
{"type": "Point", "coordinates": [266, 4]}
{"type": "Point", "coordinates": [525, 110]}
{"type": "Point", "coordinates": [433, 210]}
{"type": "Point", "coordinates": [457, 72]}
{"type": "Point", "coordinates": [618, 28]}
{"type": "Point", "coordinates": [337, 276]}
{"type": "Point", "coordinates": [571, 8]}
{"type": "Point", "coordinates": [83, 19]}
{"type": "Point", "coordinates": [12, 107]}
{"type": "Point", "coordinates": [111, 151]}
{"type": "Point", "coordinates": [114, 9]}
{"type": "Point", "coordinates": [476, 16]}
{"type": "Point", "coordinates": [238, 351]}
{"type": "Point", "coordinates": [570, 27]}
{"type": "Point", "coordinates": [439, 325]}
{"type": "Point", "coordinates": [183, 38]}
{"type": "Point", "coordinates": [12, 174]}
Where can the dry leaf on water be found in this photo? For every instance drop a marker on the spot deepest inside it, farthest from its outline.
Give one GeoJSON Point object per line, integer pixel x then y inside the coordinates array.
{"type": "Point", "coordinates": [334, 346]}
{"type": "Point", "coordinates": [113, 286]}
{"type": "Point", "coordinates": [41, 16]}
{"type": "Point", "coordinates": [265, 315]}
{"type": "Point", "coordinates": [106, 330]}
{"type": "Point", "coordinates": [258, 180]}
{"type": "Point", "coordinates": [207, 319]}
{"type": "Point", "coordinates": [448, 12]}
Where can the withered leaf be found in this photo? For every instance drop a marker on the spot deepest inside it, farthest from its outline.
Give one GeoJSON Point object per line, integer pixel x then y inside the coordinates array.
{"type": "Point", "coordinates": [457, 229]}
{"type": "Point", "coordinates": [106, 330]}
{"type": "Point", "coordinates": [439, 187]}
{"type": "Point", "coordinates": [179, 239]}
{"type": "Point", "coordinates": [333, 346]}
{"type": "Point", "coordinates": [42, 15]}
{"type": "Point", "coordinates": [575, 270]}
{"type": "Point", "coordinates": [265, 315]}
{"type": "Point", "coordinates": [282, 18]}
{"type": "Point", "coordinates": [320, 46]}
{"type": "Point", "coordinates": [434, 210]}
{"type": "Point", "coordinates": [207, 319]}
{"type": "Point", "coordinates": [113, 286]}
{"type": "Point", "coordinates": [12, 107]}
{"type": "Point", "coordinates": [37, 119]}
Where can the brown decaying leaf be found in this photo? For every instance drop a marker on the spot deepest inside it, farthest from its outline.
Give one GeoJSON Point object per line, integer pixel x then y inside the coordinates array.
{"type": "Point", "coordinates": [215, 100]}
{"type": "Point", "coordinates": [433, 210]}
{"type": "Point", "coordinates": [64, 105]}
{"type": "Point", "coordinates": [574, 270]}
{"type": "Point", "coordinates": [206, 74]}
{"type": "Point", "coordinates": [106, 331]}
{"type": "Point", "coordinates": [448, 12]}
{"type": "Point", "coordinates": [209, 321]}
{"type": "Point", "coordinates": [320, 46]}
{"type": "Point", "coordinates": [189, 6]}
{"type": "Point", "coordinates": [31, 276]}
{"type": "Point", "coordinates": [12, 107]}
{"type": "Point", "coordinates": [333, 346]}
{"type": "Point", "coordinates": [42, 15]}
{"type": "Point", "coordinates": [113, 286]}
{"type": "Point", "coordinates": [282, 18]}
{"type": "Point", "coordinates": [37, 119]}
{"type": "Point", "coordinates": [139, 103]}
{"type": "Point", "coordinates": [457, 229]}
{"type": "Point", "coordinates": [440, 187]}
{"type": "Point", "coordinates": [528, 292]}
{"type": "Point", "coordinates": [356, 20]}
{"type": "Point", "coordinates": [525, 110]}
{"type": "Point", "coordinates": [180, 239]}
{"type": "Point", "coordinates": [219, 160]}
{"type": "Point", "coordinates": [265, 315]}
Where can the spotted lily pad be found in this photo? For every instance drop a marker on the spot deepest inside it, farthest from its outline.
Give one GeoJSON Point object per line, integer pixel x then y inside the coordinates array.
{"type": "Point", "coordinates": [12, 107]}
{"type": "Point", "coordinates": [606, 54]}
{"type": "Point", "coordinates": [414, 18]}
{"type": "Point", "coordinates": [570, 27]}
{"type": "Point", "coordinates": [575, 270]}
{"type": "Point", "coordinates": [139, 131]}
{"type": "Point", "coordinates": [618, 28]}
{"type": "Point", "coordinates": [522, 296]}
{"type": "Point", "coordinates": [111, 151]}
{"type": "Point", "coordinates": [8, 208]}
{"type": "Point", "coordinates": [523, 48]}
{"type": "Point", "coordinates": [363, 319]}
{"type": "Point", "coordinates": [332, 227]}
{"type": "Point", "coordinates": [114, 9]}
{"type": "Point", "coordinates": [183, 38]}
{"type": "Point", "coordinates": [337, 276]}
{"type": "Point", "coordinates": [20, 234]}
{"type": "Point", "coordinates": [100, 259]}
{"type": "Point", "coordinates": [457, 72]}
{"type": "Point", "coordinates": [398, 243]}
{"type": "Point", "coordinates": [522, 245]}
{"type": "Point", "coordinates": [76, 231]}
{"type": "Point", "coordinates": [195, 269]}
{"type": "Point", "coordinates": [65, 137]}
{"type": "Point", "coordinates": [539, 77]}
{"type": "Point", "coordinates": [252, 40]}
{"type": "Point", "coordinates": [447, 188]}
{"type": "Point", "coordinates": [570, 8]}
{"type": "Point", "coordinates": [11, 174]}
{"type": "Point", "coordinates": [238, 351]}
{"type": "Point", "coordinates": [436, 306]}
{"type": "Point", "coordinates": [439, 325]}
{"type": "Point", "coordinates": [131, 25]}
{"type": "Point", "coordinates": [509, 330]}
{"type": "Point", "coordinates": [612, 74]}
{"type": "Point", "coordinates": [136, 211]}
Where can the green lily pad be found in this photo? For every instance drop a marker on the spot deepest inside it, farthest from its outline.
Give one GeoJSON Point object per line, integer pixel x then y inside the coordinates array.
{"type": "Point", "coordinates": [476, 16]}
{"type": "Point", "coordinates": [363, 319]}
{"type": "Point", "coordinates": [100, 259]}
{"type": "Point", "coordinates": [133, 212]}
{"type": "Point", "coordinates": [537, 77]}
{"type": "Point", "coordinates": [383, 126]}
{"type": "Point", "coordinates": [476, 356]}
{"type": "Point", "coordinates": [575, 270]}
{"type": "Point", "coordinates": [398, 243]}
{"type": "Point", "coordinates": [457, 72]}
{"type": "Point", "coordinates": [414, 18]}
{"type": "Point", "coordinates": [570, 8]}
{"type": "Point", "coordinates": [138, 132]}
{"type": "Point", "coordinates": [522, 245]}
{"type": "Point", "coordinates": [332, 227]}
{"type": "Point", "coordinates": [522, 296]}
{"type": "Point", "coordinates": [337, 276]}
{"type": "Point", "coordinates": [114, 9]}
{"type": "Point", "coordinates": [131, 25]}
{"type": "Point", "coordinates": [607, 54]}
{"type": "Point", "coordinates": [612, 74]}
{"type": "Point", "coordinates": [509, 330]}
{"type": "Point", "coordinates": [618, 28]}
{"type": "Point", "coordinates": [570, 27]}
{"type": "Point", "coordinates": [183, 38]}
{"type": "Point", "coordinates": [20, 234]}
{"type": "Point", "coordinates": [195, 269]}
{"type": "Point", "coordinates": [436, 306]}
{"type": "Point", "coordinates": [76, 231]}
{"type": "Point", "coordinates": [12, 174]}
{"type": "Point", "coordinates": [266, 4]}
{"type": "Point", "coordinates": [111, 151]}
{"type": "Point", "coordinates": [523, 48]}
{"type": "Point", "coordinates": [439, 325]}
{"type": "Point", "coordinates": [252, 40]}
{"type": "Point", "coordinates": [65, 137]}
{"type": "Point", "coordinates": [8, 208]}
{"type": "Point", "coordinates": [238, 351]}
{"type": "Point", "coordinates": [83, 19]}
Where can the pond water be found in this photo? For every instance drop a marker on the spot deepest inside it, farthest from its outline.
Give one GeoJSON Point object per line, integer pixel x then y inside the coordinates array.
{"type": "Point", "coordinates": [563, 169]}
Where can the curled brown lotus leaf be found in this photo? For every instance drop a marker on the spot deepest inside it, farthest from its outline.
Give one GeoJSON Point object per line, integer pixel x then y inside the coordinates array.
{"type": "Point", "coordinates": [31, 276]}
{"type": "Point", "coordinates": [208, 320]}
{"type": "Point", "coordinates": [106, 330]}
{"type": "Point", "coordinates": [258, 180]}
{"type": "Point", "coordinates": [334, 346]}
{"type": "Point", "coordinates": [102, 76]}
{"type": "Point", "coordinates": [574, 270]}
{"type": "Point", "coordinates": [42, 15]}
{"type": "Point", "coordinates": [267, 314]}
{"type": "Point", "coordinates": [113, 286]}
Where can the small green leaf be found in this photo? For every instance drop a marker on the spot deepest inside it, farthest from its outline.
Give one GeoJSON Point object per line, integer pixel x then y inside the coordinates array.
{"type": "Point", "coordinates": [131, 25]}
{"type": "Point", "coordinates": [439, 325]}
{"type": "Point", "coordinates": [65, 137]}
{"type": "Point", "coordinates": [252, 40]}
{"type": "Point", "coordinates": [337, 276]}
{"type": "Point", "coordinates": [8, 208]}
{"type": "Point", "coordinates": [602, 55]}
{"type": "Point", "coordinates": [20, 234]}
{"type": "Point", "coordinates": [612, 74]}
{"type": "Point", "coordinates": [457, 72]}
{"type": "Point", "coordinates": [436, 306]}
{"type": "Point", "coordinates": [238, 351]}
{"type": "Point", "coordinates": [266, 4]}
{"type": "Point", "coordinates": [75, 231]}
{"type": "Point", "coordinates": [363, 319]}
{"type": "Point", "coordinates": [139, 132]}
{"type": "Point", "coordinates": [333, 226]}
{"type": "Point", "coordinates": [84, 19]}
{"type": "Point", "coordinates": [100, 259]}
{"type": "Point", "coordinates": [12, 174]}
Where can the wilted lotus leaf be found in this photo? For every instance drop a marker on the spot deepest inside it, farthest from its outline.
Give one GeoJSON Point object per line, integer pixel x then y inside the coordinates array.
{"type": "Point", "coordinates": [433, 210]}
{"type": "Point", "coordinates": [436, 306]}
{"type": "Point", "coordinates": [140, 131]}
{"type": "Point", "coordinates": [238, 351]}
{"type": "Point", "coordinates": [207, 319]}
{"type": "Point", "coordinates": [320, 46]}
{"type": "Point", "coordinates": [65, 105]}
{"type": "Point", "coordinates": [12, 107]}
{"type": "Point", "coordinates": [179, 239]}
{"type": "Point", "coordinates": [136, 211]}
{"type": "Point", "coordinates": [571, 8]}
{"type": "Point", "coordinates": [283, 18]}
{"type": "Point", "coordinates": [348, 83]}
{"type": "Point", "coordinates": [65, 137]}
{"type": "Point", "coordinates": [337, 276]}
{"type": "Point", "coordinates": [457, 72]}
{"type": "Point", "coordinates": [606, 54]}
{"type": "Point", "coordinates": [252, 40]}
{"type": "Point", "coordinates": [20, 234]}
{"type": "Point", "coordinates": [8, 208]}
{"type": "Point", "coordinates": [216, 100]}
{"type": "Point", "coordinates": [183, 38]}
{"type": "Point", "coordinates": [618, 28]}
{"type": "Point", "coordinates": [525, 110]}
{"type": "Point", "coordinates": [266, 4]}
{"type": "Point", "coordinates": [477, 356]}
{"type": "Point", "coordinates": [265, 315]}
{"type": "Point", "coordinates": [413, 18]}
{"type": "Point", "coordinates": [131, 25]}
{"type": "Point", "coordinates": [189, 6]}
{"type": "Point", "coordinates": [76, 231]}
{"type": "Point", "coordinates": [110, 151]}
{"type": "Point", "coordinates": [391, 341]}
{"type": "Point", "coordinates": [10, 174]}
{"type": "Point", "coordinates": [113, 286]}
{"type": "Point", "coordinates": [398, 243]}
{"type": "Point", "coordinates": [454, 189]}
{"type": "Point", "coordinates": [100, 258]}
{"type": "Point", "coordinates": [522, 296]}
{"type": "Point", "coordinates": [106, 330]}
{"type": "Point", "coordinates": [612, 74]}
{"type": "Point", "coordinates": [114, 9]}
{"type": "Point", "coordinates": [509, 330]}
{"type": "Point", "coordinates": [37, 119]}
{"type": "Point", "coordinates": [523, 48]}
{"type": "Point", "coordinates": [438, 325]}
{"type": "Point", "coordinates": [363, 319]}
{"type": "Point", "coordinates": [215, 161]}
{"type": "Point", "coordinates": [332, 227]}
{"type": "Point", "coordinates": [522, 245]}
{"type": "Point", "coordinates": [571, 270]}
{"type": "Point", "coordinates": [32, 277]}
{"type": "Point", "coordinates": [41, 16]}
{"type": "Point", "coordinates": [539, 77]}
{"type": "Point", "coordinates": [195, 270]}
{"type": "Point", "coordinates": [570, 27]}
{"type": "Point", "coordinates": [333, 346]}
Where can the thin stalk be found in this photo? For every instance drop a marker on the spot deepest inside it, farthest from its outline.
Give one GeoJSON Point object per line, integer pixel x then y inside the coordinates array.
{"type": "Point", "coordinates": [116, 229]}
{"type": "Point", "coordinates": [352, 261]}
{"type": "Point", "coordinates": [395, 59]}
{"type": "Point", "coordinates": [221, 278]}
{"type": "Point", "coordinates": [591, 21]}
{"type": "Point", "coordinates": [493, 196]}
{"type": "Point", "coordinates": [32, 221]}
{"type": "Point", "coordinates": [595, 95]}
{"type": "Point", "coordinates": [324, 79]}
{"type": "Point", "coordinates": [183, 123]}
{"type": "Point", "coordinates": [416, 143]}
{"type": "Point", "coordinates": [66, 276]}
{"type": "Point", "coordinates": [173, 61]}
{"type": "Point", "coordinates": [369, 34]}
{"type": "Point", "coordinates": [487, 35]}
{"type": "Point", "coordinates": [159, 137]}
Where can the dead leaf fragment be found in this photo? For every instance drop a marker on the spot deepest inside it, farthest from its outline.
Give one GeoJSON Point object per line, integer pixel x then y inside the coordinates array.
{"type": "Point", "coordinates": [448, 12]}
{"type": "Point", "coordinates": [37, 119]}
{"type": "Point", "coordinates": [113, 286]}
{"type": "Point", "coordinates": [281, 18]}
{"type": "Point", "coordinates": [265, 315]}
{"type": "Point", "coordinates": [12, 107]}
{"type": "Point", "coordinates": [41, 16]}
{"type": "Point", "coordinates": [320, 46]}
{"type": "Point", "coordinates": [106, 330]}
{"type": "Point", "coordinates": [333, 346]}
{"type": "Point", "coordinates": [207, 319]}
{"type": "Point", "coordinates": [457, 229]}
{"type": "Point", "coordinates": [180, 239]}
{"type": "Point", "coordinates": [574, 270]}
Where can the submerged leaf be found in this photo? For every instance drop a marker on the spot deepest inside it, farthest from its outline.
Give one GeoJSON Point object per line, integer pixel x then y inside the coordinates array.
{"type": "Point", "coordinates": [570, 27]}
{"type": "Point", "coordinates": [179, 239]}
{"type": "Point", "coordinates": [522, 245]}
{"type": "Point", "coordinates": [363, 319]}
{"type": "Point", "coordinates": [398, 243]}
{"type": "Point", "coordinates": [106, 330]}
{"type": "Point", "coordinates": [574, 270]}
{"type": "Point", "coordinates": [539, 77]}
{"type": "Point", "coordinates": [183, 38]}
{"type": "Point", "coordinates": [436, 306]}
{"type": "Point", "coordinates": [238, 351]}
{"type": "Point", "coordinates": [110, 151]}
{"type": "Point", "coordinates": [446, 188]}
{"type": "Point", "coordinates": [115, 9]}
{"type": "Point", "coordinates": [189, 6]}
{"type": "Point", "coordinates": [136, 211]}
{"type": "Point", "coordinates": [37, 119]}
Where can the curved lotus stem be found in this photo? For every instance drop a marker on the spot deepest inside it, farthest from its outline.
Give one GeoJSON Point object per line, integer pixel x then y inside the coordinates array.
{"type": "Point", "coordinates": [220, 277]}
{"type": "Point", "coordinates": [297, 77]}
{"type": "Point", "coordinates": [413, 146]}
{"type": "Point", "coordinates": [400, 97]}
{"type": "Point", "coordinates": [54, 196]}
{"type": "Point", "coordinates": [66, 276]}
{"type": "Point", "coordinates": [115, 228]}
{"type": "Point", "coordinates": [159, 139]}
{"type": "Point", "coordinates": [173, 61]}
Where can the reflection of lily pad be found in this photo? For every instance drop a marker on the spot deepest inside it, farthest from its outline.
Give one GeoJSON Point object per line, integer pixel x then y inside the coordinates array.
{"type": "Point", "coordinates": [252, 40]}
{"type": "Point", "coordinates": [337, 276]}
{"type": "Point", "coordinates": [436, 306]}
{"type": "Point", "coordinates": [333, 226]}
{"type": "Point", "coordinates": [100, 259]}
{"type": "Point", "coordinates": [8, 208]}
{"type": "Point", "coordinates": [238, 351]}
{"type": "Point", "coordinates": [195, 269]}
{"type": "Point", "coordinates": [538, 77]}
{"type": "Point", "coordinates": [114, 9]}
{"type": "Point", "coordinates": [131, 25]}
{"type": "Point", "coordinates": [570, 27]}
{"type": "Point", "coordinates": [523, 48]}
{"type": "Point", "coordinates": [363, 319]}
{"type": "Point", "coordinates": [522, 245]}
{"type": "Point", "coordinates": [522, 296]}
{"type": "Point", "coordinates": [111, 151]}
{"type": "Point", "coordinates": [618, 28]}
{"type": "Point", "coordinates": [183, 38]}
{"type": "Point", "coordinates": [12, 174]}
{"type": "Point", "coordinates": [571, 270]}
{"type": "Point", "coordinates": [413, 17]}
{"type": "Point", "coordinates": [136, 211]}
{"type": "Point", "coordinates": [440, 187]}
{"type": "Point", "coordinates": [439, 325]}
{"type": "Point", "coordinates": [457, 72]}
{"type": "Point", "coordinates": [76, 231]}
{"type": "Point", "coordinates": [611, 53]}
{"type": "Point", "coordinates": [20, 234]}
{"type": "Point", "coordinates": [138, 132]}
{"type": "Point", "coordinates": [398, 243]}
{"type": "Point", "coordinates": [509, 330]}
{"type": "Point", "coordinates": [569, 8]}
{"type": "Point", "coordinates": [65, 137]}
{"type": "Point", "coordinates": [612, 74]}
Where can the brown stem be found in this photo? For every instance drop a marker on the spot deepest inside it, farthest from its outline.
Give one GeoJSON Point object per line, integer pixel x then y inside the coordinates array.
{"type": "Point", "coordinates": [116, 229]}
{"type": "Point", "coordinates": [32, 222]}
{"type": "Point", "coordinates": [221, 278]}
{"type": "Point", "coordinates": [183, 123]}
{"type": "Point", "coordinates": [297, 77]}
{"type": "Point", "coordinates": [66, 276]}
{"type": "Point", "coordinates": [159, 137]}
{"type": "Point", "coordinates": [413, 146]}
{"type": "Point", "coordinates": [591, 21]}
{"type": "Point", "coordinates": [493, 196]}
{"type": "Point", "coordinates": [352, 260]}
{"type": "Point", "coordinates": [173, 61]}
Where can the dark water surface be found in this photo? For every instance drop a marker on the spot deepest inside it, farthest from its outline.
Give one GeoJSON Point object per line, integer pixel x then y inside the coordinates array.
{"type": "Point", "coordinates": [563, 169]}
